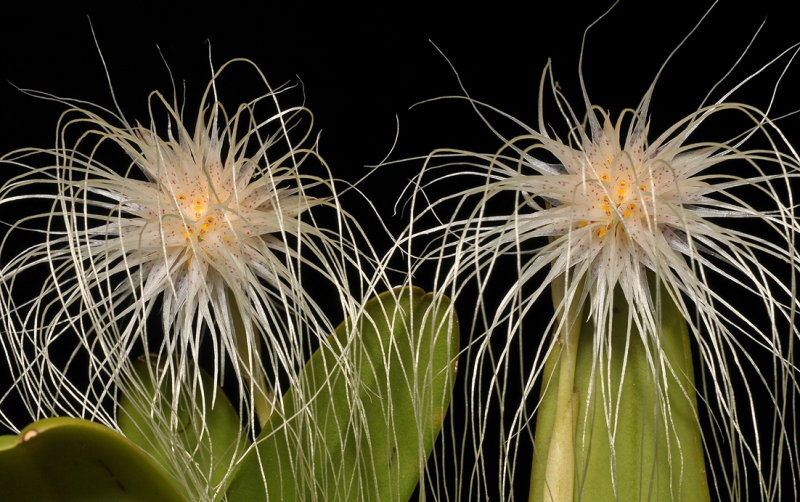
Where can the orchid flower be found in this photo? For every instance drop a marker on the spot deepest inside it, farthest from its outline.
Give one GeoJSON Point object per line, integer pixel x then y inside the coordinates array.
{"type": "Point", "coordinates": [219, 234]}
{"type": "Point", "coordinates": [650, 244]}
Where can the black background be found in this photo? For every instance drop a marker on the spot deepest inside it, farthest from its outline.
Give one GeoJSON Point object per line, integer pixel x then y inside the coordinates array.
{"type": "Point", "coordinates": [363, 67]}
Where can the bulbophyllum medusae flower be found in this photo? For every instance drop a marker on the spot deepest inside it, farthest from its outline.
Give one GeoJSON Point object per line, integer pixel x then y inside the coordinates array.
{"type": "Point", "coordinates": [217, 233]}
{"type": "Point", "coordinates": [612, 212]}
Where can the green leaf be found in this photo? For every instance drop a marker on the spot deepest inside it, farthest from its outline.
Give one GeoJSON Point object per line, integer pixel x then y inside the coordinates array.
{"type": "Point", "coordinates": [200, 453]}
{"type": "Point", "coordinates": [68, 459]}
{"type": "Point", "coordinates": [361, 419]}
{"type": "Point", "coordinates": [658, 451]}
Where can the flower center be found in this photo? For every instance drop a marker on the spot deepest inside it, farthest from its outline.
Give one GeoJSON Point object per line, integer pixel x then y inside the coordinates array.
{"type": "Point", "coordinates": [202, 221]}
{"type": "Point", "coordinates": [615, 200]}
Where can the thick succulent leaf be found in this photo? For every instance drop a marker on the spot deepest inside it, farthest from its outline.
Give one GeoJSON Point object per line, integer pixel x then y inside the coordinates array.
{"type": "Point", "coordinates": [200, 453]}
{"type": "Point", "coordinates": [658, 450]}
{"type": "Point", "coordinates": [68, 459]}
{"type": "Point", "coordinates": [657, 447]}
{"type": "Point", "coordinates": [361, 419]}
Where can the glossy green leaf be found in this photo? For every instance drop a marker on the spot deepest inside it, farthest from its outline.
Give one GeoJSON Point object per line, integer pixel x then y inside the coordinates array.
{"type": "Point", "coordinates": [201, 451]}
{"type": "Point", "coordinates": [658, 451]}
{"type": "Point", "coordinates": [361, 419]}
{"type": "Point", "coordinates": [68, 459]}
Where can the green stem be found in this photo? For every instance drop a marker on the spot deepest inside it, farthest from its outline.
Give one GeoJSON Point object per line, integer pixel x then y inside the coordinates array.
{"type": "Point", "coordinates": [262, 393]}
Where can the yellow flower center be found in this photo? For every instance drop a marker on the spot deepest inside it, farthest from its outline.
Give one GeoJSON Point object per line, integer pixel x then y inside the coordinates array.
{"type": "Point", "coordinates": [201, 221]}
{"type": "Point", "coordinates": [615, 199]}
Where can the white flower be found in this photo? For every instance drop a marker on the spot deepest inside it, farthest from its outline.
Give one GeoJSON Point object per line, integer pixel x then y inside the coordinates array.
{"type": "Point", "coordinates": [203, 222]}
{"type": "Point", "coordinates": [609, 208]}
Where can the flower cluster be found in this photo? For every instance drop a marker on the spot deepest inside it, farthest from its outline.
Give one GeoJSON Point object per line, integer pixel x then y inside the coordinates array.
{"type": "Point", "coordinates": [212, 225]}
{"type": "Point", "coordinates": [610, 218]}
